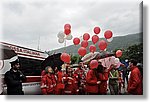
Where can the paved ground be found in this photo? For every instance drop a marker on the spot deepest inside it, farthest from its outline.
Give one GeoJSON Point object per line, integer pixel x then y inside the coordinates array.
{"type": "Point", "coordinates": [123, 90]}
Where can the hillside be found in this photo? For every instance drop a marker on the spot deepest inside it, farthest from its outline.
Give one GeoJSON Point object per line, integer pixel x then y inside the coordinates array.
{"type": "Point", "coordinates": [119, 42]}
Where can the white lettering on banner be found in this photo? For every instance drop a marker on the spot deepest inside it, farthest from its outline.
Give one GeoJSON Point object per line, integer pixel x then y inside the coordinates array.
{"type": "Point", "coordinates": [17, 50]}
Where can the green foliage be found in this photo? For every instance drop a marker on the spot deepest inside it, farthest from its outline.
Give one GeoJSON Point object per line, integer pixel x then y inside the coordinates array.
{"type": "Point", "coordinates": [75, 59]}
{"type": "Point", "coordinates": [133, 52]}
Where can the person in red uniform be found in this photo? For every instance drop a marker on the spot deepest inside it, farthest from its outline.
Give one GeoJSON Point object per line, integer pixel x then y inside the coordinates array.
{"type": "Point", "coordinates": [103, 77]}
{"type": "Point", "coordinates": [81, 78]}
{"type": "Point", "coordinates": [135, 80]}
{"type": "Point", "coordinates": [48, 82]}
{"type": "Point", "coordinates": [92, 82]}
{"type": "Point", "coordinates": [43, 73]}
{"type": "Point", "coordinates": [69, 82]}
{"type": "Point", "coordinates": [76, 83]}
{"type": "Point", "coordinates": [60, 85]}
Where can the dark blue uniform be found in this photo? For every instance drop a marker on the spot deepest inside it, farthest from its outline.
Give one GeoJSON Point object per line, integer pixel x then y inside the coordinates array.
{"type": "Point", "coordinates": [13, 81]}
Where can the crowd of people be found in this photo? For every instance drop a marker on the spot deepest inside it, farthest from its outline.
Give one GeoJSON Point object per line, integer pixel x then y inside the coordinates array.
{"type": "Point", "coordinates": [84, 80]}
{"type": "Point", "coordinates": [81, 80]}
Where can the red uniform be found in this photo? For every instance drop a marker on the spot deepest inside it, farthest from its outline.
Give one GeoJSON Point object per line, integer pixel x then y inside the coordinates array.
{"type": "Point", "coordinates": [135, 82]}
{"type": "Point", "coordinates": [43, 73]}
{"type": "Point", "coordinates": [48, 84]}
{"type": "Point", "coordinates": [69, 85]}
{"type": "Point", "coordinates": [91, 82]}
{"type": "Point", "coordinates": [80, 73]}
{"type": "Point", "coordinates": [60, 86]}
{"type": "Point", "coordinates": [103, 77]}
{"type": "Point", "coordinates": [81, 80]}
{"type": "Point", "coordinates": [76, 83]}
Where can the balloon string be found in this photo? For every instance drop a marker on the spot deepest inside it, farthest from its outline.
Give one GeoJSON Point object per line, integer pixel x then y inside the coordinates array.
{"type": "Point", "coordinates": [65, 46]}
{"type": "Point", "coordinates": [104, 62]}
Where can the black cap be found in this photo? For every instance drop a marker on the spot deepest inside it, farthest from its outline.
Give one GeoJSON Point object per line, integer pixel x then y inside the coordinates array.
{"type": "Point", "coordinates": [14, 62]}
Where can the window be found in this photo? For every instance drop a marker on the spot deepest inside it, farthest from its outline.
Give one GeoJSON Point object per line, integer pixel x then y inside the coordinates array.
{"type": "Point", "coordinates": [30, 67]}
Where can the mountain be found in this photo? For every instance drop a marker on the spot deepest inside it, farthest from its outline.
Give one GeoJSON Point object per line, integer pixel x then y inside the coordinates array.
{"type": "Point", "coordinates": [119, 42]}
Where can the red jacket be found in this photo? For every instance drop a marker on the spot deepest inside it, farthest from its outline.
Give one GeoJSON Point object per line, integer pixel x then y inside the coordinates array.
{"type": "Point", "coordinates": [135, 82]}
{"type": "Point", "coordinates": [48, 84]}
{"type": "Point", "coordinates": [81, 77]}
{"type": "Point", "coordinates": [60, 86]}
{"type": "Point", "coordinates": [76, 83]}
{"type": "Point", "coordinates": [91, 82]}
{"type": "Point", "coordinates": [43, 73]}
{"type": "Point", "coordinates": [69, 85]}
{"type": "Point", "coordinates": [103, 77]}
{"type": "Point", "coordinates": [80, 73]}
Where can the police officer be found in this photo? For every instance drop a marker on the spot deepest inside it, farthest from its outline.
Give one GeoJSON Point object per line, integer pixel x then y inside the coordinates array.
{"type": "Point", "coordinates": [14, 78]}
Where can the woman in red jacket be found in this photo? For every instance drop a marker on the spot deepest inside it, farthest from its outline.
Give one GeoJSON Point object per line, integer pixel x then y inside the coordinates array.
{"type": "Point", "coordinates": [92, 82]}
{"type": "Point", "coordinates": [48, 82]}
{"type": "Point", "coordinates": [103, 77]}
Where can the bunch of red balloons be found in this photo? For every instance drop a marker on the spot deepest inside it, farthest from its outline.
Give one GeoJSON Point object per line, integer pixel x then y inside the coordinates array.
{"type": "Point", "coordinates": [95, 38]}
{"type": "Point", "coordinates": [82, 50]}
{"type": "Point", "coordinates": [84, 44]}
{"type": "Point", "coordinates": [65, 35]}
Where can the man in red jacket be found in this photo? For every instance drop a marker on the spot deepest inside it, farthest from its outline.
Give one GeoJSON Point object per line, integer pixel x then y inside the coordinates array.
{"type": "Point", "coordinates": [70, 88]}
{"type": "Point", "coordinates": [135, 80]}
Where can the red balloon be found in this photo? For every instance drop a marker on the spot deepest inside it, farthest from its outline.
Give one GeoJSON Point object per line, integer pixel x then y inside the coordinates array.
{"type": "Point", "coordinates": [102, 45]}
{"type": "Point", "coordinates": [65, 57]}
{"type": "Point", "coordinates": [84, 43]}
{"type": "Point", "coordinates": [82, 51]}
{"type": "Point", "coordinates": [86, 36]}
{"type": "Point", "coordinates": [67, 26]}
{"type": "Point", "coordinates": [67, 31]}
{"type": "Point", "coordinates": [93, 64]}
{"type": "Point", "coordinates": [92, 48]}
{"type": "Point", "coordinates": [108, 34]}
{"type": "Point", "coordinates": [118, 53]}
{"type": "Point", "coordinates": [97, 30]}
{"type": "Point", "coordinates": [95, 39]}
{"type": "Point", "coordinates": [76, 41]}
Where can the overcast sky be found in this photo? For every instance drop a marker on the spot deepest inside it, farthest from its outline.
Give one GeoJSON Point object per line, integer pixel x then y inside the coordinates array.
{"type": "Point", "coordinates": [23, 21]}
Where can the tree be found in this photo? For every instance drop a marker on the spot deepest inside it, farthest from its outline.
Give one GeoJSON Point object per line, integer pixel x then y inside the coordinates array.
{"type": "Point", "coordinates": [133, 52]}
{"type": "Point", "coordinates": [75, 59]}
